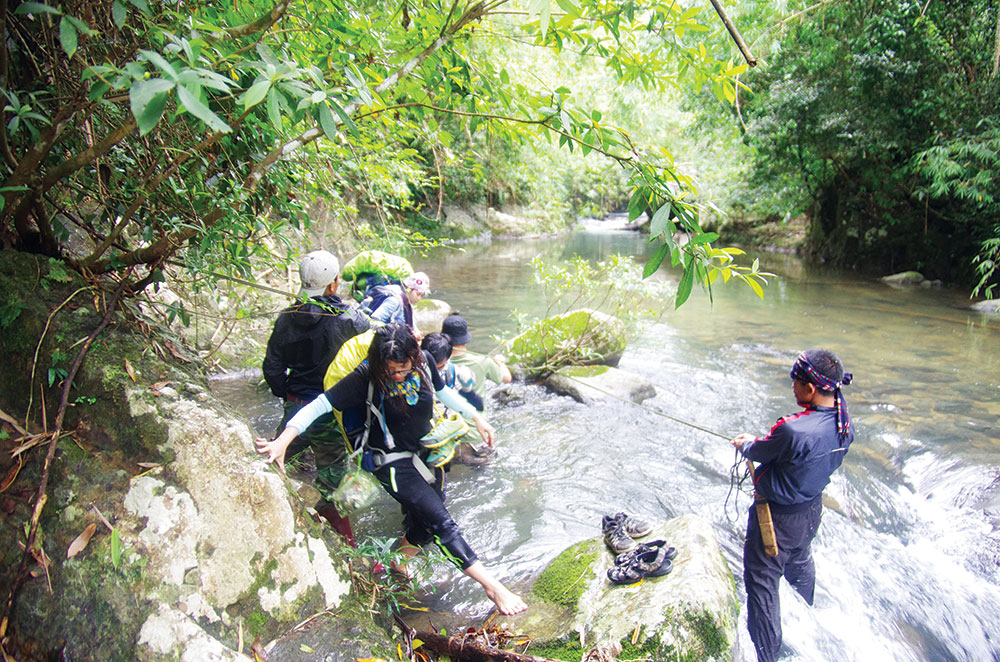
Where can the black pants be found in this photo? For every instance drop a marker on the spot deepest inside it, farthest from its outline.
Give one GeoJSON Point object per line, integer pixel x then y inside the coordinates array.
{"type": "Point", "coordinates": [794, 532]}
{"type": "Point", "coordinates": [425, 519]}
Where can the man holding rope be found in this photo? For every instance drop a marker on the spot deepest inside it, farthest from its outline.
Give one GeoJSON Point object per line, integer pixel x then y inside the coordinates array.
{"type": "Point", "coordinates": [796, 460]}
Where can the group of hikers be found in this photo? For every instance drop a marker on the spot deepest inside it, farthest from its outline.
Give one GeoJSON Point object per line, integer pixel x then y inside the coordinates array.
{"type": "Point", "coordinates": [382, 377]}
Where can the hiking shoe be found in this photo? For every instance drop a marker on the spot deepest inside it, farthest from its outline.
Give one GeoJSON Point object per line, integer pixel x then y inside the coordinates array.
{"type": "Point", "coordinates": [615, 537]}
{"type": "Point", "coordinates": [643, 547]}
{"type": "Point", "coordinates": [635, 527]}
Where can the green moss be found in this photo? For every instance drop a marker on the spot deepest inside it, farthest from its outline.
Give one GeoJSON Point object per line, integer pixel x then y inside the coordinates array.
{"type": "Point", "coordinates": [710, 634]}
{"type": "Point", "coordinates": [564, 580]}
{"type": "Point", "coordinates": [569, 650]}
{"type": "Point", "coordinates": [584, 371]}
{"type": "Point", "coordinates": [650, 648]}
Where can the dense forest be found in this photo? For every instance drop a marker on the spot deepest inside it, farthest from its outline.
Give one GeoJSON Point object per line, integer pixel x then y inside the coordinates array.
{"type": "Point", "coordinates": [140, 135]}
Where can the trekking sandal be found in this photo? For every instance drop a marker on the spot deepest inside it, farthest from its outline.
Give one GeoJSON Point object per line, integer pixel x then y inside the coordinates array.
{"type": "Point", "coordinates": [652, 563]}
{"type": "Point", "coordinates": [627, 557]}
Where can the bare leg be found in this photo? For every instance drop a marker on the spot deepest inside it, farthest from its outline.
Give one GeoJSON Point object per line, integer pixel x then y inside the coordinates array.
{"type": "Point", "coordinates": [409, 550]}
{"type": "Point", "coordinates": [506, 601]}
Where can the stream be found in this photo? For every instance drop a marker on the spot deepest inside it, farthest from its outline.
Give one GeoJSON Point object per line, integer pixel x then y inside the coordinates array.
{"type": "Point", "coordinates": [907, 555]}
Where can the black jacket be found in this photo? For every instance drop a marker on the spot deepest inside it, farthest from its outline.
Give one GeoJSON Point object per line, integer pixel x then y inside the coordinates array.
{"type": "Point", "coordinates": [305, 339]}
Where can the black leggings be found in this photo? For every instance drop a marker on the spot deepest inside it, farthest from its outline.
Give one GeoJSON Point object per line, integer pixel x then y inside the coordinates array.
{"type": "Point", "coordinates": [425, 519]}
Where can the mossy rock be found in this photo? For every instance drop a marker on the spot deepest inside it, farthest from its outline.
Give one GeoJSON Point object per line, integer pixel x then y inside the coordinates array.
{"type": "Point", "coordinates": [904, 278]}
{"type": "Point", "coordinates": [689, 614]}
{"type": "Point", "coordinates": [579, 337]}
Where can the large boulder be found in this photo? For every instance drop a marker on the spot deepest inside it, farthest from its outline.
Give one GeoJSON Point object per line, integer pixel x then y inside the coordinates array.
{"type": "Point", "coordinates": [199, 544]}
{"type": "Point", "coordinates": [591, 383]}
{"type": "Point", "coordinates": [689, 614]}
{"type": "Point", "coordinates": [579, 337]}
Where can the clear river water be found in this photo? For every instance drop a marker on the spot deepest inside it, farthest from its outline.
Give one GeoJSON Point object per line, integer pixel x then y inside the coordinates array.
{"type": "Point", "coordinates": [908, 555]}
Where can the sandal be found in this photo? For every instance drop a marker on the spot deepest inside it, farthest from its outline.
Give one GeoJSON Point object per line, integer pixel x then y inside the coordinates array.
{"type": "Point", "coordinates": [627, 557]}
{"type": "Point", "coordinates": [651, 563]}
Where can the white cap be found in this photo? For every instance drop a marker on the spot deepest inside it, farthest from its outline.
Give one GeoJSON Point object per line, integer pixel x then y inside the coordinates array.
{"type": "Point", "coordinates": [317, 270]}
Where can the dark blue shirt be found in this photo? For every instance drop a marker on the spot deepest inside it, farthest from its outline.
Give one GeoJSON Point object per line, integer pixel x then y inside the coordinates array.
{"type": "Point", "coordinates": [796, 459]}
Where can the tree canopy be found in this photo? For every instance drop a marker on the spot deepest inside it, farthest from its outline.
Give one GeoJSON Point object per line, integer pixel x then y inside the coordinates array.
{"type": "Point", "coordinates": [139, 133]}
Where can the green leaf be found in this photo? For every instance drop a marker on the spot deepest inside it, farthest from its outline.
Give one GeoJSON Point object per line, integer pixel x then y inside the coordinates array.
{"type": "Point", "coordinates": [194, 106]}
{"type": "Point", "coordinates": [703, 238]}
{"type": "Point", "coordinates": [754, 285]}
{"type": "Point", "coordinates": [326, 121]}
{"type": "Point", "coordinates": [35, 8]}
{"type": "Point", "coordinates": [148, 99]}
{"type": "Point", "coordinates": [345, 118]}
{"type": "Point", "coordinates": [116, 549]}
{"type": "Point", "coordinates": [119, 13]}
{"type": "Point", "coordinates": [684, 287]}
{"type": "Point", "coordinates": [141, 5]}
{"type": "Point", "coordinates": [161, 63]}
{"type": "Point", "coordinates": [655, 261]}
{"type": "Point", "coordinates": [68, 36]}
{"type": "Point", "coordinates": [256, 93]}
{"type": "Point", "coordinates": [273, 109]}
{"type": "Point", "coordinates": [357, 81]}
{"type": "Point", "coordinates": [661, 221]}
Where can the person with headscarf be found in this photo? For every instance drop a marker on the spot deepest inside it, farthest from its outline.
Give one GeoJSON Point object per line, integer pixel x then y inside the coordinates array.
{"type": "Point", "coordinates": [396, 388]}
{"type": "Point", "coordinates": [795, 462]}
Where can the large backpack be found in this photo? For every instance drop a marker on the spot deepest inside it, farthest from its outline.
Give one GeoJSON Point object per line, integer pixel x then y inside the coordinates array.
{"type": "Point", "coordinates": [369, 270]}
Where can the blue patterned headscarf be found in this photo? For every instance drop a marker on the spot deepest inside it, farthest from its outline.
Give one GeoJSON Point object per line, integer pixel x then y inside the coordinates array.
{"type": "Point", "coordinates": [805, 371]}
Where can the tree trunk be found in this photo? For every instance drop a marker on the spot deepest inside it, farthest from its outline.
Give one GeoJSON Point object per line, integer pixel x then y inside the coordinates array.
{"type": "Point", "coordinates": [996, 47]}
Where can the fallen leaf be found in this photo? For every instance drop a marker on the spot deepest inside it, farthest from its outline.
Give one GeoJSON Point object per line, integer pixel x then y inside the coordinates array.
{"type": "Point", "coordinates": [149, 465]}
{"type": "Point", "coordinates": [158, 385]}
{"type": "Point", "coordinates": [130, 370]}
{"type": "Point", "coordinates": [81, 541]}
{"type": "Point", "coordinates": [306, 649]}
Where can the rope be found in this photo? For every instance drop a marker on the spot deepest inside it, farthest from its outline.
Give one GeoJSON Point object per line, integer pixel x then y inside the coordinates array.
{"type": "Point", "coordinates": [736, 477]}
{"type": "Point", "coordinates": [650, 409]}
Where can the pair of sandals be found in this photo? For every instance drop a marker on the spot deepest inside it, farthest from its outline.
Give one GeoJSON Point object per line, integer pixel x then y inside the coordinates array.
{"type": "Point", "coordinates": [648, 559]}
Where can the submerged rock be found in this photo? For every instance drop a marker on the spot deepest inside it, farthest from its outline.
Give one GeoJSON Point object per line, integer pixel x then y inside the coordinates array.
{"type": "Point", "coordinates": [689, 614]}
{"type": "Point", "coordinates": [600, 382]}
{"type": "Point", "coordinates": [579, 337]}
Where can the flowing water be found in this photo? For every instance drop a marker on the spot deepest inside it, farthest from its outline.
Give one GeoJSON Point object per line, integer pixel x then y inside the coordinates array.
{"type": "Point", "coordinates": [907, 555]}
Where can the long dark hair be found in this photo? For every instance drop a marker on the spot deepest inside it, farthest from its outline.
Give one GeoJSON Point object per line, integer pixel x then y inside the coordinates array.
{"type": "Point", "coordinates": [393, 342]}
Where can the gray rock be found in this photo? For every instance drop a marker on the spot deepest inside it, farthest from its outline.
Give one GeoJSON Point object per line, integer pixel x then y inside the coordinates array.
{"type": "Point", "coordinates": [429, 314]}
{"type": "Point", "coordinates": [904, 278]}
{"type": "Point", "coordinates": [688, 614]}
{"type": "Point", "coordinates": [587, 384]}
{"type": "Point", "coordinates": [989, 306]}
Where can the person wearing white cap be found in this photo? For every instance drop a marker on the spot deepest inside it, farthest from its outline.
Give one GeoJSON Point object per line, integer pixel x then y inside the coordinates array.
{"type": "Point", "coordinates": [306, 337]}
{"type": "Point", "coordinates": [398, 306]}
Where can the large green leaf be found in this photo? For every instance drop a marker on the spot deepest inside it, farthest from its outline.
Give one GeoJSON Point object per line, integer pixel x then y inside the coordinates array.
{"type": "Point", "coordinates": [147, 99]}
{"type": "Point", "coordinates": [194, 106]}
{"type": "Point", "coordinates": [661, 221]}
{"type": "Point", "coordinates": [68, 36]}
{"type": "Point", "coordinates": [36, 8]}
{"type": "Point", "coordinates": [685, 284]}
{"type": "Point", "coordinates": [256, 93]}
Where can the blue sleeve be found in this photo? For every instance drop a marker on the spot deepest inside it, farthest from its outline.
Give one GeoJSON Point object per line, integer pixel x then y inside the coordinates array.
{"type": "Point", "coordinates": [774, 446]}
{"type": "Point", "coordinates": [391, 310]}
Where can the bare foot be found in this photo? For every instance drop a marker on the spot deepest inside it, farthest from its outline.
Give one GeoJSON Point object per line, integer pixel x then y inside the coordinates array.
{"type": "Point", "coordinates": [506, 601]}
